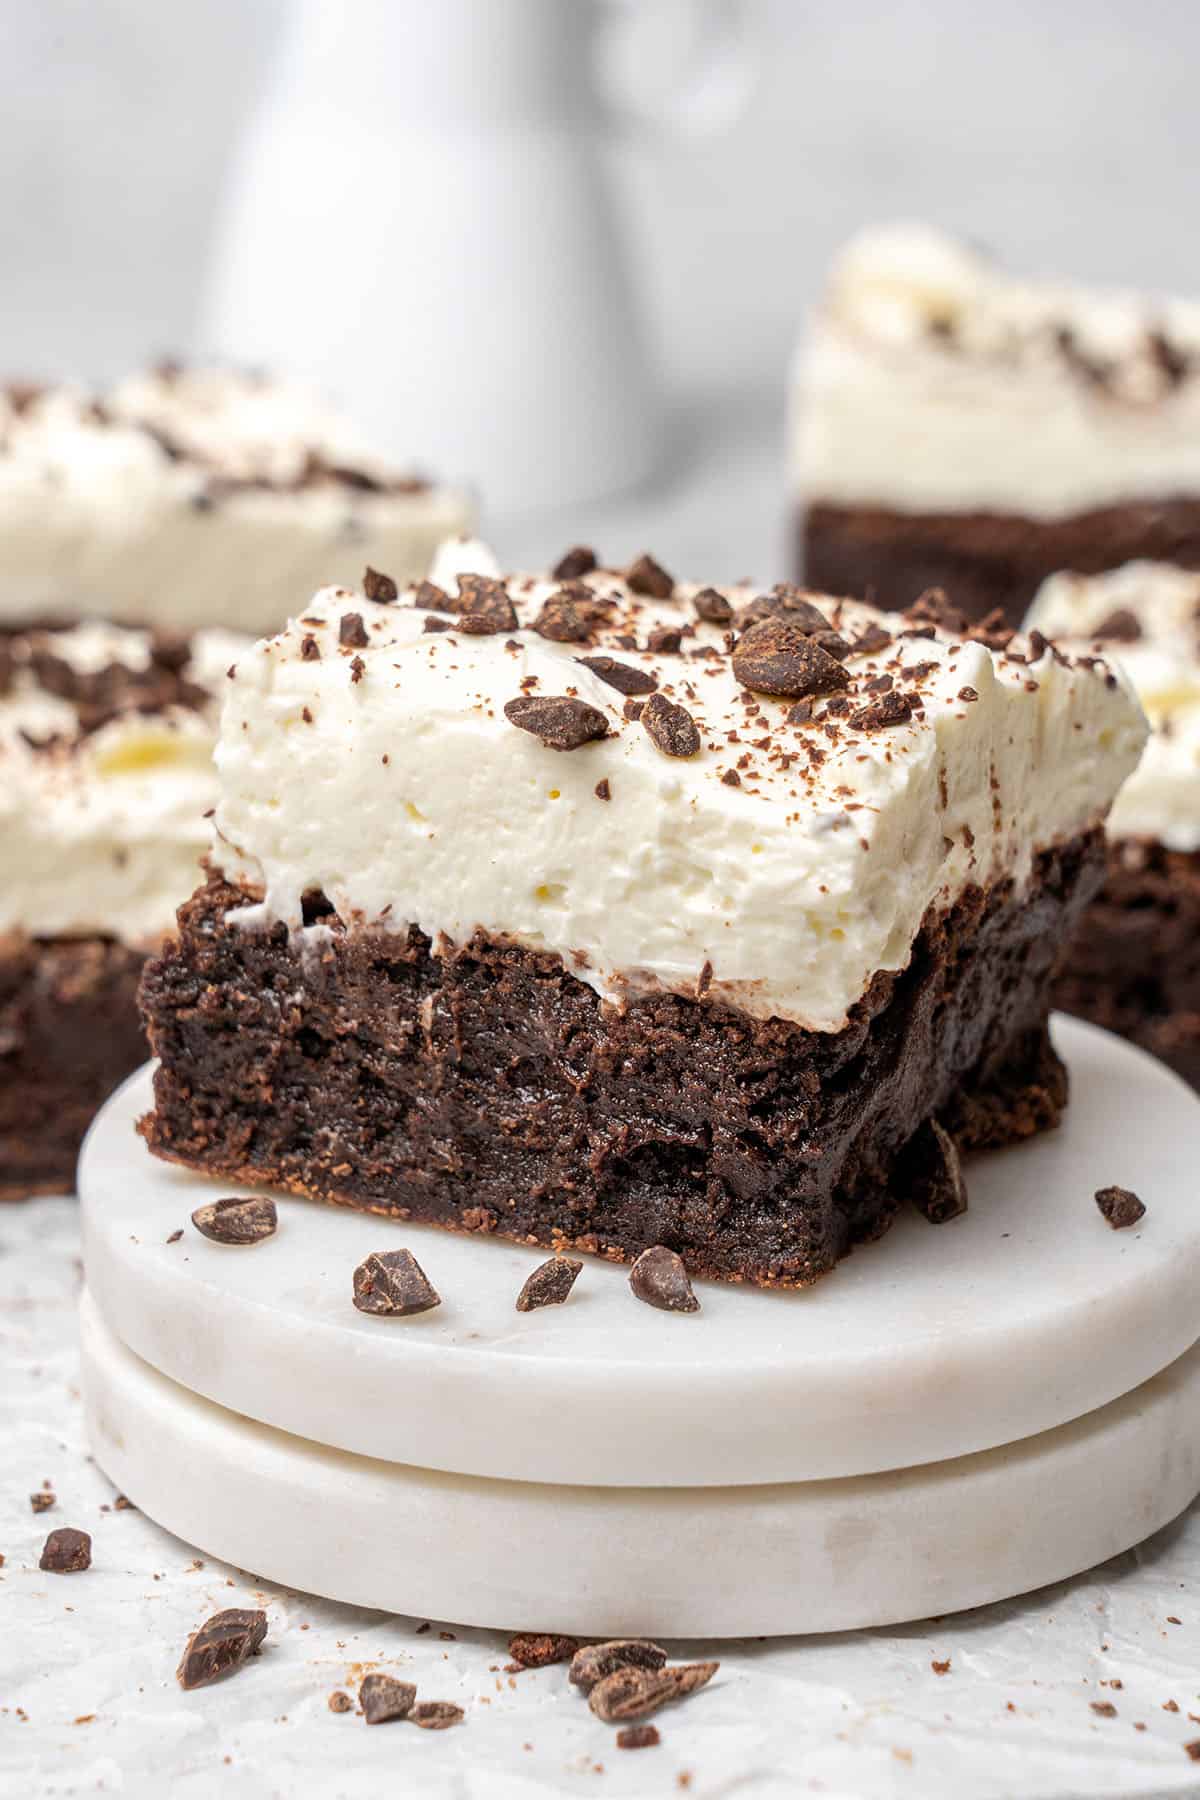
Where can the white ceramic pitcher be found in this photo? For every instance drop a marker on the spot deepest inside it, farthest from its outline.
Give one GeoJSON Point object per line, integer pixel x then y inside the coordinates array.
{"type": "Point", "coordinates": [419, 223]}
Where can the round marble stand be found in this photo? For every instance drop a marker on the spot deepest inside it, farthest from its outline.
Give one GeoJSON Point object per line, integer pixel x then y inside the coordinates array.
{"type": "Point", "coordinates": [955, 1415]}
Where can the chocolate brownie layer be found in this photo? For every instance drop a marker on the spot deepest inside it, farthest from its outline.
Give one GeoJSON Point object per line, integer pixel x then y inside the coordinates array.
{"type": "Point", "coordinates": [985, 560]}
{"type": "Point", "coordinates": [1134, 966]}
{"type": "Point", "coordinates": [69, 1032]}
{"type": "Point", "coordinates": [487, 1089]}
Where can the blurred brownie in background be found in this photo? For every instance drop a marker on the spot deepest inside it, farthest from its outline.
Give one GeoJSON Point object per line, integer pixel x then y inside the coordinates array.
{"type": "Point", "coordinates": [956, 427]}
{"type": "Point", "coordinates": [1135, 963]}
{"type": "Point", "coordinates": [184, 498]}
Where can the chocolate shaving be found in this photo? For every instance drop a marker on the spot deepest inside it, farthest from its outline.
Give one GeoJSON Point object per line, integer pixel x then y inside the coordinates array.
{"type": "Point", "coordinates": [393, 1282]}
{"type": "Point", "coordinates": [671, 728]}
{"type": "Point", "coordinates": [378, 587]}
{"type": "Point", "coordinates": [638, 1737]}
{"type": "Point", "coordinates": [484, 606]}
{"type": "Point", "coordinates": [645, 576]}
{"type": "Point", "coordinates": [352, 632]}
{"type": "Point", "coordinates": [1120, 627]}
{"type": "Point", "coordinates": [931, 1171]}
{"type": "Point", "coordinates": [383, 1698]}
{"type": "Point", "coordinates": [889, 709]}
{"type": "Point", "coordinates": [619, 675]}
{"type": "Point", "coordinates": [659, 1278]}
{"type": "Point", "coordinates": [538, 1649]}
{"type": "Point", "coordinates": [635, 1693]}
{"type": "Point", "coordinates": [580, 560]}
{"type": "Point", "coordinates": [66, 1552]}
{"type": "Point", "coordinates": [778, 657]}
{"type": "Point", "coordinates": [310, 650]}
{"type": "Point", "coordinates": [934, 608]}
{"type": "Point", "coordinates": [549, 1284]}
{"type": "Point", "coordinates": [436, 1715]}
{"type": "Point", "coordinates": [1120, 1206]}
{"type": "Point", "coordinates": [595, 1661]}
{"type": "Point", "coordinates": [993, 632]}
{"type": "Point", "coordinates": [712, 606]}
{"type": "Point", "coordinates": [237, 1221]}
{"type": "Point", "coordinates": [222, 1644]}
{"type": "Point", "coordinates": [560, 722]}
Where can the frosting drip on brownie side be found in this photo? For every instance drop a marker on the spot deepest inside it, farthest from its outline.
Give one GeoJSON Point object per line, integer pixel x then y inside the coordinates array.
{"type": "Point", "coordinates": [366, 752]}
{"type": "Point", "coordinates": [106, 775]}
{"type": "Point", "coordinates": [1147, 616]}
{"type": "Point", "coordinates": [931, 381]}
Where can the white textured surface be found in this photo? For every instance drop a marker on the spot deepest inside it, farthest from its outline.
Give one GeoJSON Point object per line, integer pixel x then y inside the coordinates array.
{"type": "Point", "coordinates": [857, 1715]}
{"type": "Point", "coordinates": [1025, 1313]}
{"type": "Point", "coordinates": [392, 780]}
{"type": "Point", "coordinates": [992, 417]}
{"type": "Point", "coordinates": [1161, 799]}
{"type": "Point", "coordinates": [870, 1550]}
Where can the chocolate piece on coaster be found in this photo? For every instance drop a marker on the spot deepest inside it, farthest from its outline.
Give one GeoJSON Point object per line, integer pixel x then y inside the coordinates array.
{"type": "Point", "coordinates": [221, 1644]}
{"type": "Point", "coordinates": [659, 1278]}
{"type": "Point", "coordinates": [538, 1649]}
{"type": "Point", "coordinates": [237, 1221]}
{"type": "Point", "coordinates": [1120, 1206]}
{"type": "Point", "coordinates": [931, 1171]}
{"type": "Point", "coordinates": [638, 1737]}
{"type": "Point", "coordinates": [635, 1693]}
{"type": "Point", "coordinates": [549, 1284]}
{"type": "Point", "coordinates": [779, 657]}
{"type": "Point", "coordinates": [66, 1552]}
{"type": "Point", "coordinates": [393, 1282]}
{"type": "Point", "coordinates": [436, 1715]}
{"type": "Point", "coordinates": [382, 1697]}
{"type": "Point", "coordinates": [595, 1661]}
{"type": "Point", "coordinates": [559, 721]}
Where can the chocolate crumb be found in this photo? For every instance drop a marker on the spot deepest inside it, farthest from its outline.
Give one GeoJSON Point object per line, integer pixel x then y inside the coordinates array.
{"type": "Point", "coordinates": [1104, 1709]}
{"type": "Point", "coordinates": [659, 1278]}
{"type": "Point", "coordinates": [968, 694]}
{"type": "Point", "coordinates": [633, 709]}
{"type": "Point", "coordinates": [602, 790]}
{"type": "Point", "coordinates": [223, 1643]}
{"type": "Point", "coordinates": [428, 597]}
{"type": "Point", "coordinates": [1120, 627]}
{"type": "Point", "coordinates": [558, 721]}
{"type": "Point", "coordinates": [580, 560]}
{"type": "Point", "coordinates": [549, 1284]}
{"type": "Point", "coordinates": [731, 778]}
{"type": "Point", "coordinates": [665, 640]}
{"type": "Point", "coordinates": [778, 657]}
{"type": "Point", "coordinates": [352, 632]}
{"type": "Point", "coordinates": [619, 675]}
{"type": "Point", "coordinates": [432, 623]}
{"type": "Point", "coordinates": [237, 1221]}
{"type": "Point", "coordinates": [383, 1698]}
{"type": "Point", "coordinates": [393, 1282]}
{"type": "Point", "coordinates": [340, 1702]}
{"type": "Point", "coordinates": [595, 1661]}
{"type": "Point", "coordinates": [358, 668]}
{"type": "Point", "coordinates": [940, 1668]}
{"type": "Point", "coordinates": [42, 1502]}
{"type": "Point", "coordinates": [1120, 1206]}
{"type": "Point", "coordinates": [1193, 1749]}
{"type": "Point", "coordinates": [645, 576]}
{"type": "Point", "coordinates": [712, 607]}
{"type": "Point", "coordinates": [931, 1170]}
{"type": "Point", "coordinates": [870, 640]}
{"type": "Point", "coordinates": [634, 1693]}
{"type": "Point", "coordinates": [436, 1715]}
{"type": "Point", "coordinates": [538, 1649]}
{"type": "Point", "coordinates": [310, 650]}
{"type": "Point", "coordinates": [889, 709]}
{"type": "Point", "coordinates": [66, 1552]}
{"type": "Point", "coordinates": [800, 714]}
{"type": "Point", "coordinates": [934, 608]}
{"type": "Point", "coordinates": [671, 728]}
{"type": "Point", "coordinates": [174, 1236]}
{"type": "Point", "coordinates": [638, 1737]}
{"type": "Point", "coordinates": [378, 587]}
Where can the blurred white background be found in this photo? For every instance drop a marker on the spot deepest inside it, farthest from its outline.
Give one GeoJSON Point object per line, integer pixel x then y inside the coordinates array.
{"type": "Point", "coordinates": [1066, 136]}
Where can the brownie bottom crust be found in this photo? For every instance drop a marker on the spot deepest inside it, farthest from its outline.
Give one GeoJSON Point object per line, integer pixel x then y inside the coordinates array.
{"type": "Point", "coordinates": [69, 1034]}
{"type": "Point", "coordinates": [487, 1089]}
{"type": "Point", "coordinates": [983, 560]}
{"type": "Point", "coordinates": [1134, 966]}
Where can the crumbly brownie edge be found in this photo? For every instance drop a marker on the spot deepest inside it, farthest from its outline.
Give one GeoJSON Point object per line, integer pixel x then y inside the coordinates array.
{"type": "Point", "coordinates": [985, 560]}
{"type": "Point", "coordinates": [487, 1089]}
{"type": "Point", "coordinates": [1134, 964]}
{"type": "Point", "coordinates": [69, 1034]}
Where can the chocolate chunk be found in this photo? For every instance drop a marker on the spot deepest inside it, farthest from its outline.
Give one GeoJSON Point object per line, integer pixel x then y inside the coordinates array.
{"type": "Point", "coordinates": [778, 657]}
{"type": "Point", "coordinates": [382, 1697]}
{"type": "Point", "coordinates": [638, 1737]}
{"type": "Point", "coordinates": [484, 606]}
{"type": "Point", "coordinates": [659, 1278]}
{"type": "Point", "coordinates": [433, 623]}
{"type": "Point", "coordinates": [934, 608]}
{"type": "Point", "coordinates": [66, 1552]}
{"type": "Point", "coordinates": [602, 790]}
{"type": "Point", "coordinates": [731, 778]}
{"type": "Point", "coordinates": [870, 641]}
{"type": "Point", "coordinates": [436, 1715]}
{"type": "Point", "coordinates": [645, 576]}
{"type": "Point", "coordinates": [538, 1649]}
{"type": "Point", "coordinates": [549, 1284]}
{"type": "Point", "coordinates": [352, 632]}
{"type": "Point", "coordinates": [620, 675]}
{"type": "Point", "coordinates": [1120, 1206]}
{"type": "Point", "coordinates": [42, 1502]}
{"type": "Point", "coordinates": [394, 1283]}
{"type": "Point", "coordinates": [310, 650]}
{"type": "Point", "coordinates": [564, 621]}
{"type": "Point", "coordinates": [671, 728]}
{"type": "Point", "coordinates": [222, 1643]}
{"type": "Point", "coordinates": [665, 640]}
{"type": "Point", "coordinates": [1038, 646]}
{"type": "Point", "coordinates": [560, 722]}
{"type": "Point", "coordinates": [932, 1173]}
{"type": "Point", "coordinates": [595, 1661]}
{"type": "Point", "coordinates": [634, 1693]}
{"type": "Point", "coordinates": [431, 598]}
{"type": "Point", "coordinates": [801, 713]}
{"type": "Point", "coordinates": [358, 668]}
{"type": "Point", "coordinates": [380, 588]}
{"type": "Point", "coordinates": [579, 560]}
{"type": "Point", "coordinates": [1120, 627]}
{"type": "Point", "coordinates": [968, 694]}
{"type": "Point", "coordinates": [992, 632]}
{"type": "Point", "coordinates": [889, 709]}
{"type": "Point", "coordinates": [783, 601]}
{"type": "Point", "coordinates": [713, 607]}
{"type": "Point", "coordinates": [237, 1221]}
{"type": "Point", "coordinates": [1104, 1709]}
{"type": "Point", "coordinates": [633, 709]}
{"type": "Point", "coordinates": [340, 1702]}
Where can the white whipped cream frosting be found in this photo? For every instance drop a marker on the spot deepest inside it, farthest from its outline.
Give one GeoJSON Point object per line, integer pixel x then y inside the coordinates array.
{"type": "Point", "coordinates": [932, 381]}
{"type": "Point", "coordinates": [130, 510]}
{"type": "Point", "coordinates": [1161, 799]}
{"type": "Point", "coordinates": [407, 795]}
{"type": "Point", "coordinates": [104, 833]}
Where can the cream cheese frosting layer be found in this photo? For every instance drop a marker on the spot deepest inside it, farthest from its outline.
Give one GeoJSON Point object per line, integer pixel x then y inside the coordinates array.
{"type": "Point", "coordinates": [197, 497]}
{"type": "Point", "coordinates": [1148, 616]}
{"type": "Point", "coordinates": [103, 825]}
{"type": "Point", "coordinates": [777, 867]}
{"type": "Point", "coordinates": [932, 381]}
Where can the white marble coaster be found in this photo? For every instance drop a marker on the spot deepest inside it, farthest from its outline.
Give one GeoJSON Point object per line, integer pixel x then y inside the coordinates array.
{"type": "Point", "coordinates": [676, 1562]}
{"type": "Point", "coordinates": [933, 1343]}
